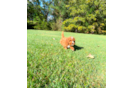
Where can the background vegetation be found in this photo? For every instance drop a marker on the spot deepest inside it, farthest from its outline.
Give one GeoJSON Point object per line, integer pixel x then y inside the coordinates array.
{"type": "Point", "coordinates": [83, 16]}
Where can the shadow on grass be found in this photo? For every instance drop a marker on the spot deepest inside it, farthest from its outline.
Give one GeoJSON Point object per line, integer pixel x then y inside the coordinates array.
{"type": "Point", "coordinates": [77, 47]}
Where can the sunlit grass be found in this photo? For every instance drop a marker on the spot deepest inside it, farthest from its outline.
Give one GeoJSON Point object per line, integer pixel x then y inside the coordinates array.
{"type": "Point", "coordinates": [49, 65]}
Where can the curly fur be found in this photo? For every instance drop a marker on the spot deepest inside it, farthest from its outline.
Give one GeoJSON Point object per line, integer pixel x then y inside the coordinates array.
{"type": "Point", "coordinates": [67, 42]}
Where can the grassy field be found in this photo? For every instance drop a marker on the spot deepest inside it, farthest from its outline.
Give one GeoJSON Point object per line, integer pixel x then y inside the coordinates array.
{"type": "Point", "coordinates": [50, 66]}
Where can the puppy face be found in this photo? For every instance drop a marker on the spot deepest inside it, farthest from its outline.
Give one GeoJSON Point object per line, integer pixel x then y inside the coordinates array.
{"type": "Point", "coordinates": [71, 41]}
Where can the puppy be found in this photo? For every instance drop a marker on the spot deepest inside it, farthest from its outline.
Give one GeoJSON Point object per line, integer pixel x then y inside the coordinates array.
{"type": "Point", "coordinates": [67, 42]}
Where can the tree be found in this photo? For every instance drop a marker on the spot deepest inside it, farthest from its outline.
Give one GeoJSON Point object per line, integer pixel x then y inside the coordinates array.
{"type": "Point", "coordinates": [85, 16]}
{"type": "Point", "coordinates": [30, 10]}
{"type": "Point", "coordinates": [59, 13]}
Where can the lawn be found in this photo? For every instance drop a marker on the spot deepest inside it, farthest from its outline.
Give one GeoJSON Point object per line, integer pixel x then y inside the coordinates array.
{"type": "Point", "coordinates": [50, 66]}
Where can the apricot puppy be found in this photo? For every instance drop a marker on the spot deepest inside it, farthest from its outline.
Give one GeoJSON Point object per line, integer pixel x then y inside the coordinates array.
{"type": "Point", "coordinates": [67, 42]}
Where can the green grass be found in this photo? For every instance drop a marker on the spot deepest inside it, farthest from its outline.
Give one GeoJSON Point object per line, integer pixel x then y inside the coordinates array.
{"type": "Point", "coordinates": [50, 66]}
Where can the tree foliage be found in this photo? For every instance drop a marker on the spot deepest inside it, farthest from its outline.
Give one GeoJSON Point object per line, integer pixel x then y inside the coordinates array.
{"type": "Point", "coordinates": [86, 16]}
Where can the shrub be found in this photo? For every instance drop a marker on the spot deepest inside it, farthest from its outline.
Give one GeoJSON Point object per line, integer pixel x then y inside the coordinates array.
{"type": "Point", "coordinates": [41, 24]}
{"type": "Point", "coordinates": [57, 26]}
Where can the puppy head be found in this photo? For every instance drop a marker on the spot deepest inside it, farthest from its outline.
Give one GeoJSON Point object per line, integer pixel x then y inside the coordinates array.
{"type": "Point", "coordinates": [71, 41]}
